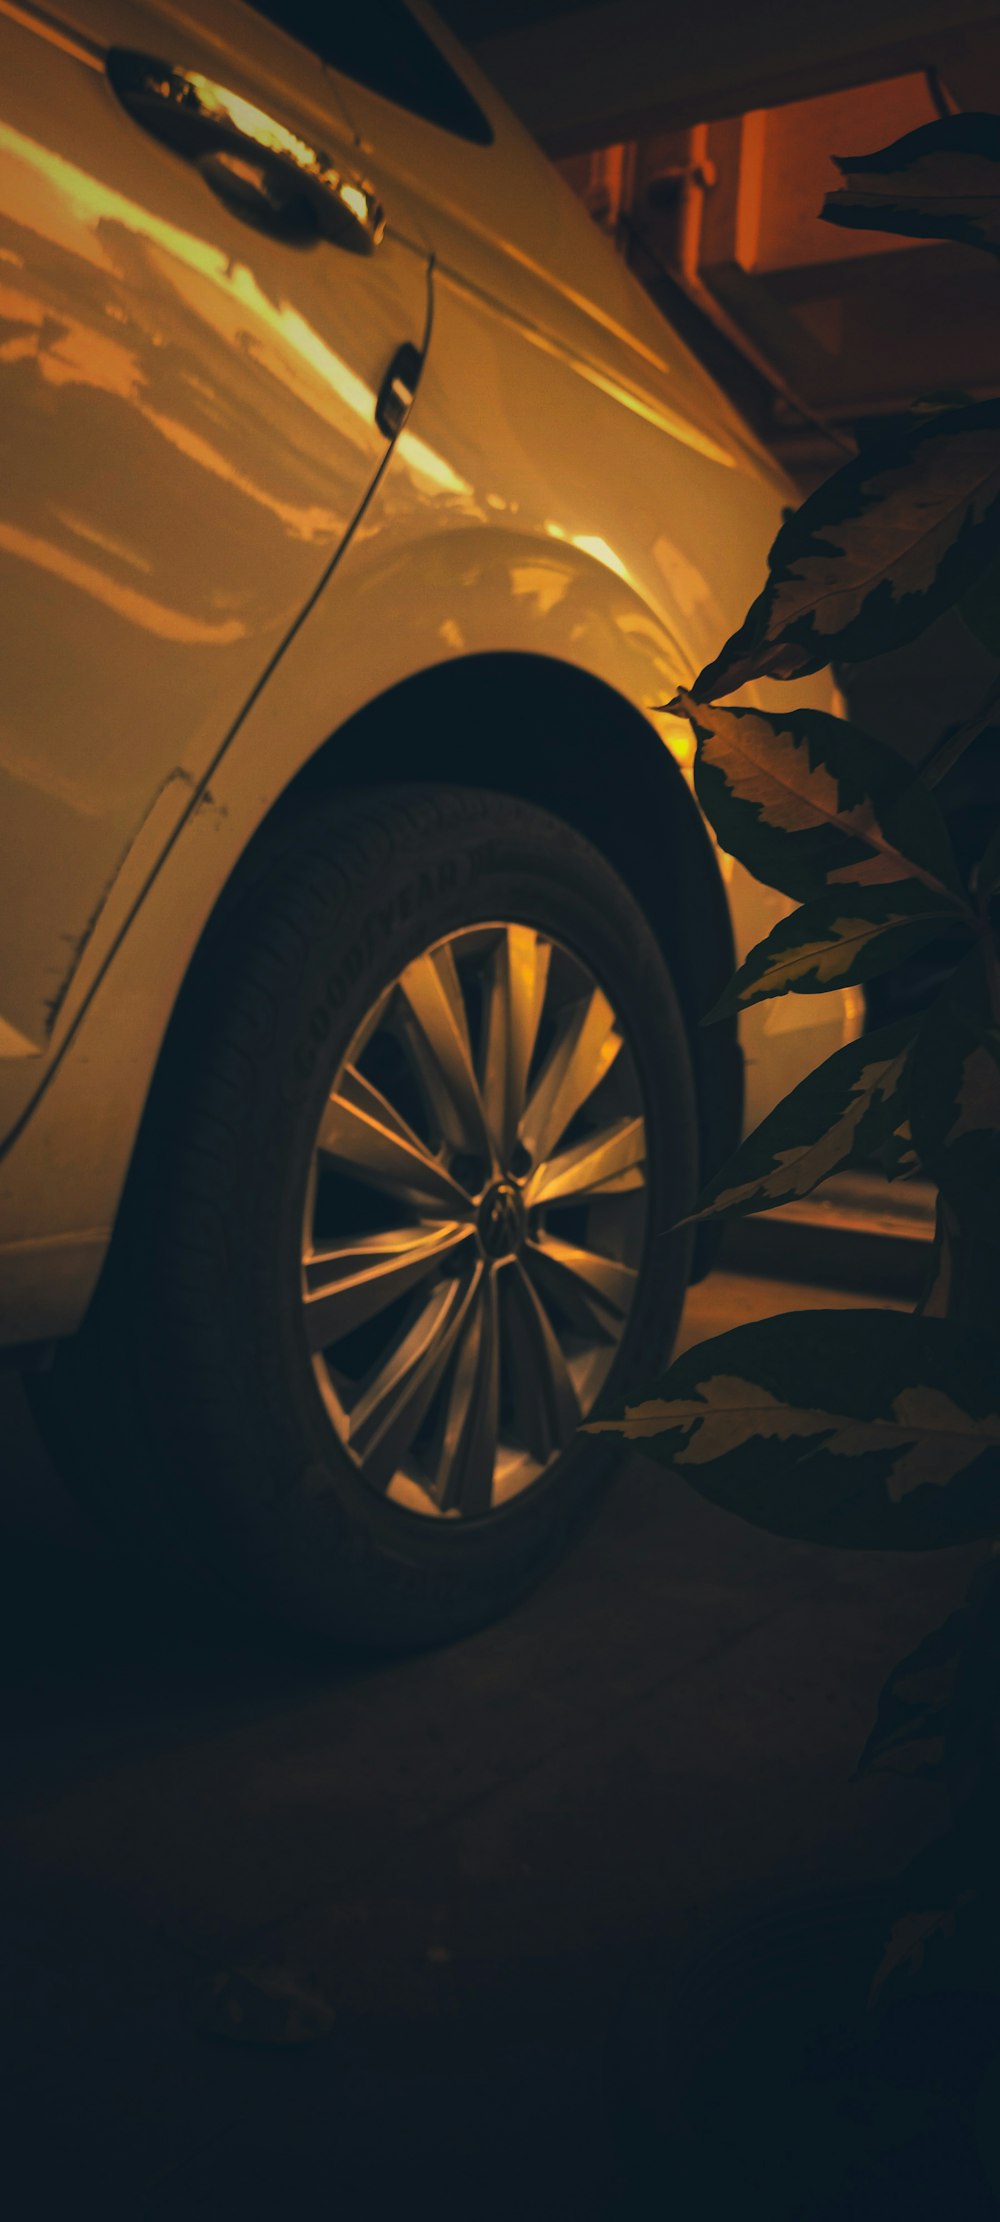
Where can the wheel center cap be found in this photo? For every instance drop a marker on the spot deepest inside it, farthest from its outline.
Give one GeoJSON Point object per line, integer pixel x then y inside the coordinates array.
{"type": "Point", "coordinates": [501, 1219]}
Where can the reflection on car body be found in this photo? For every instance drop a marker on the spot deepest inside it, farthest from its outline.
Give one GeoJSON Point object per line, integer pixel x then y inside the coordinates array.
{"type": "Point", "coordinates": [359, 511]}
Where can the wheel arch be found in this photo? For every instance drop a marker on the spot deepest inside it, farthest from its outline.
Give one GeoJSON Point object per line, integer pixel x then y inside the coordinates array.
{"type": "Point", "coordinates": [567, 740]}
{"type": "Point", "coordinates": [531, 725]}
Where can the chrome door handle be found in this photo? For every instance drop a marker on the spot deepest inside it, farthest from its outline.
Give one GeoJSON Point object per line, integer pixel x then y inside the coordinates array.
{"type": "Point", "coordinates": [263, 171]}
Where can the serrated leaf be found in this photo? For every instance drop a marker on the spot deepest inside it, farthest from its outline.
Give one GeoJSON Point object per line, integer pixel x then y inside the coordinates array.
{"type": "Point", "coordinates": [839, 940]}
{"type": "Point", "coordinates": [865, 1429]}
{"type": "Point", "coordinates": [874, 554]}
{"type": "Point", "coordinates": [941, 181]}
{"type": "Point", "coordinates": [266, 2005]}
{"type": "Point", "coordinates": [989, 870]}
{"type": "Point", "coordinates": [840, 1116]}
{"type": "Point", "coordinates": [943, 397]}
{"type": "Point", "coordinates": [936, 1301]}
{"type": "Point", "coordinates": [987, 2126]}
{"type": "Point", "coordinates": [955, 1098]}
{"type": "Point", "coordinates": [937, 1701]}
{"type": "Point", "coordinates": [897, 1157]}
{"type": "Point", "coordinates": [979, 609]}
{"type": "Point", "coordinates": [916, 1704]}
{"type": "Point", "coordinates": [948, 1936]}
{"type": "Point", "coordinates": [807, 801]}
{"type": "Point", "coordinates": [922, 1949]}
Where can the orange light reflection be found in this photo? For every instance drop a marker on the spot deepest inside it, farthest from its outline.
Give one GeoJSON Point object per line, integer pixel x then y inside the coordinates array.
{"type": "Point", "coordinates": [126, 601]}
{"type": "Point", "coordinates": [72, 212]}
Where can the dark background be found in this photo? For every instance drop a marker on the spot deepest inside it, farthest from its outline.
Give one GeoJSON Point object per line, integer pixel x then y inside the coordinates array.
{"type": "Point", "coordinates": [573, 1896]}
{"type": "Point", "coordinates": [579, 1902]}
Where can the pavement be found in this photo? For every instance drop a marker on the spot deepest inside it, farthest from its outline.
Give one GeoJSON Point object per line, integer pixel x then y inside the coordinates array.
{"type": "Point", "coordinates": [488, 1880]}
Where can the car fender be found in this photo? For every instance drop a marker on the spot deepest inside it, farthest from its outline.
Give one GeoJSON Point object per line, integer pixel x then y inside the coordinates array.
{"type": "Point", "coordinates": [70, 1140]}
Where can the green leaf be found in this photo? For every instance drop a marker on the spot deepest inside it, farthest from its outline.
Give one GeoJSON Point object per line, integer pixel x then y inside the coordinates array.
{"type": "Point", "coordinates": [935, 1948]}
{"type": "Point", "coordinates": [987, 2126]}
{"type": "Point", "coordinates": [939, 182]}
{"type": "Point", "coordinates": [841, 1115]}
{"type": "Point", "coordinates": [980, 608]}
{"type": "Point", "coordinates": [943, 397]}
{"type": "Point", "coordinates": [866, 1429]}
{"type": "Point", "coordinates": [988, 876]}
{"type": "Point", "coordinates": [937, 1299]}
{"type": "Point", "coordinates": [896, 1156]}
{"type": "Point", "coordinates": [266, 2005]}
{"type": "Point", "coordinates": [917, 1703]}
{"type": "Point", "coordinates": [937, 1711]}
{"type": "Point", "coordinates": [839, 940]}
{"type": "Point", "coordinates": [874, 554]}
{"type": "Point", "coordinates": [955, 1098]}
{"type": "Point", "coordinates": [807, 801]}
{"type": "Point", "coordinates": [947, 1938]}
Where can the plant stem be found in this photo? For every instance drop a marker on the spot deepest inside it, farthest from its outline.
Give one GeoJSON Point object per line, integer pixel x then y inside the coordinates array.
{"type": "Point", "coordinates": [953, 744]}
{"type": "Point", "coordinates": [991, 959]}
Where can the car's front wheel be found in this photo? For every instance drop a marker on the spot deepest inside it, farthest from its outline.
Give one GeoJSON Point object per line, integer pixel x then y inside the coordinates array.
{"type": "Point", "coordinates": [400, 1212]}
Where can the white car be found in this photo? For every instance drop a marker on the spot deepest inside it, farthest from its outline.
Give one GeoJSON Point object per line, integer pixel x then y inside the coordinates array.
{"type": "Point", "coordinates": [357, 510]}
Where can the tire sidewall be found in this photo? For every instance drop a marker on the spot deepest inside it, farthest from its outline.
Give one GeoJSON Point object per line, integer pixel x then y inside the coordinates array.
{"type": "Point", "coordinates": [376, 881]}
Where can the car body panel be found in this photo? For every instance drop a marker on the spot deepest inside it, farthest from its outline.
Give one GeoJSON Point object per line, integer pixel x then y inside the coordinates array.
{"type": "Point", "coordinates": [188, 434]}
{"type": "Point", "coordinates": [568, 487]}
{"type": "Point", "coordinates": [506, 224]}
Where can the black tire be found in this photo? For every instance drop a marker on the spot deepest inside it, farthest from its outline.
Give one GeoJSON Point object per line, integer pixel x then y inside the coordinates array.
{"type": "Point", "coordinates": [185, 1406]}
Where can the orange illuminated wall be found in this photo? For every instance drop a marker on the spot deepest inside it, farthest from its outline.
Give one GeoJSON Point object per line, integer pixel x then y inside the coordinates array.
{"type": "Point", "coordinates": [853, 323]}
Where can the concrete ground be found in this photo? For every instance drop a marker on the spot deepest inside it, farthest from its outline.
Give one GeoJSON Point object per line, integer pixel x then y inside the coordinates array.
{"type": "Point", "coordinates": [494, 1873]}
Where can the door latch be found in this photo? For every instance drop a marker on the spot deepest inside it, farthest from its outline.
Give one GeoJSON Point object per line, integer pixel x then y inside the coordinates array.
{"type": "Point", "coordinates": [398, 388]}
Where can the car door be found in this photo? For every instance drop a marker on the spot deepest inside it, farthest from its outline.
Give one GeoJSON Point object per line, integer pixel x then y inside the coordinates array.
{"type": "Point", "coordinates": [199, 306]}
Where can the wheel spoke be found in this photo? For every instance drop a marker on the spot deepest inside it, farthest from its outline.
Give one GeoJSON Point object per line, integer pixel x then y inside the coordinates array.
{"type": "Point", "coordinates": [545, 1405]}
{"type": "Point", "coordinates": [585, 1048]}
{"type": "Point", "coordinates": [467, 1444]}
{"type": "Point", "coordinates": [363, 1131]}
{"type": "Point", "coordinates": [437, 1034]}
{"type": "Point", "coordinates": [482, 1310]}
{"type": "Point", "coordinates": [383, 1422]}
{"type": "Point", "coordinates": [603, 1164]}
{"type": "Point", "coordinates": [349, 1282]}
{"type": "Point", "coordinates": [515, 998]}
{"type": "Point", "coordinates": [595, 1292]}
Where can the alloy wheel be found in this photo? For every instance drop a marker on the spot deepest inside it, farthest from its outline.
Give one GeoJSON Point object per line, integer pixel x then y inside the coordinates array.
{"type": "Point", "coordinates": [474, 1220]}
